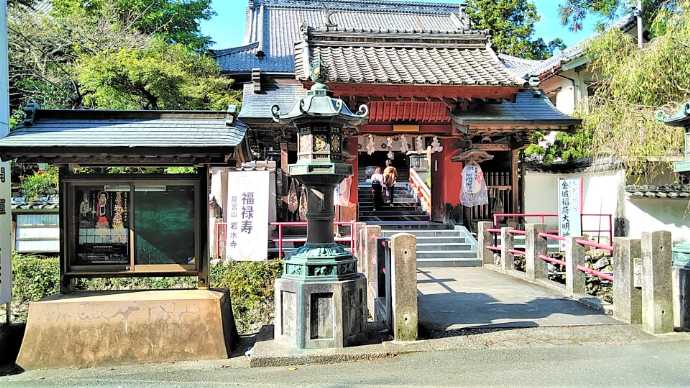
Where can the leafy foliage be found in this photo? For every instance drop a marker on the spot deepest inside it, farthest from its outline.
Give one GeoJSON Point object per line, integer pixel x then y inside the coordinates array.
{"type": "Point", "coordinates": [94, 54]}
{"type": "Point", "coordinates": [632, 85]}
{"type": "Point", "coordinates": [511, 23]}
{"type": "Point", "coordinates": [173, 21]}
{"type": "Point", "coordinates": [39, 183]}
{"type": "Point", "coordinates": [573, 12]}
{"type": "Point", "coordinates": [565, 147]}
{"type": "Point", "coordinates": [159, 76]}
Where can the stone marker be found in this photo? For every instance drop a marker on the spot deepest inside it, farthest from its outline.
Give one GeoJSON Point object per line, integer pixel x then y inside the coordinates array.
{"type": "Point", "coordinates": [484, 239]}
{"type": "Point", "coordinates": [657, 297]}
{"type": "Point", "coordinates": [404, 286]}
{"type": "Point", "coordinates": [575, 280]}
{"type": "Point", "coordinates": [627, 298]}
{"type": "Point", "coordinates": [535, 268]}
{"type": "Point", "coordinates": [373, 232]}
{"type": "Point", "coordinates": [507, 258]}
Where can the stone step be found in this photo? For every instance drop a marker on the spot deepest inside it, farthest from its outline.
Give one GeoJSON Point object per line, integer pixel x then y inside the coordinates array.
{"type": "Point", "coordinates": [426, 247]}
{"type": "Point", "coordinates": [392, 212]}
{"type": "Point", "coordinates": [368, 219]}
{"type": "Point", "coordinates": [440, 240]}
{"type": "Point", "coordinates": [428, 233]}
{"type": "Point", "coordinates": [388, 207]}
{"type": "Point", "coordinates": [441, 262]}
{"type": "Point", "coordinates": [396, 227]}
{"type": "Point", "coordinates": [445, 254]}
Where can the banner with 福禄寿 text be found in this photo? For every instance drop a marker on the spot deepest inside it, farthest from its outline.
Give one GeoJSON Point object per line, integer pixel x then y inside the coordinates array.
{"type": "Point", "coordinates": [247, 222]}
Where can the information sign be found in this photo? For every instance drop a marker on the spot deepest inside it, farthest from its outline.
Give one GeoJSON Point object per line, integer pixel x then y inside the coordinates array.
{"type": "Point", "coordinates": [569, 220]}
{"type": "Point", "coordinates": [247, 224]}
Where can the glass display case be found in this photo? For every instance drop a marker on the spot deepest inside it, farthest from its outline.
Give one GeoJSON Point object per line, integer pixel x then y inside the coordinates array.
{"type": "Point", "coordinates": [132, 224]}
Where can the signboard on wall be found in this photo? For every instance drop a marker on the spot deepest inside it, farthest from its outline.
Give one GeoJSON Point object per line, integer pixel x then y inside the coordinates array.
{"type": "Point", "coordinates": [569, 220]}
{"type": "Point", "coordinates": [5, 233]}
{"type": "Point", "coordinates": [247, 222]}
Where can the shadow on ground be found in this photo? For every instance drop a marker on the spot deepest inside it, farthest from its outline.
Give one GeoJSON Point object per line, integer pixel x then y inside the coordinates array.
{"type": "Point", "coordinates": [463, 300]}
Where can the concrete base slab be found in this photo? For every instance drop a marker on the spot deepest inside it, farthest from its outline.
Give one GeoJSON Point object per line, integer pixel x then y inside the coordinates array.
{"type": "Point", "coordinates": [93, 329]}
{"type": "Point", "coordinates": [462, 298]}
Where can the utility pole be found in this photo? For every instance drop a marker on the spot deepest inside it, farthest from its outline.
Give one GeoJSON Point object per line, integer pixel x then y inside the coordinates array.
{"type": "Point", "coordinates": [640, 25]}
{"type": "Point", "coordinates": [4, 73]}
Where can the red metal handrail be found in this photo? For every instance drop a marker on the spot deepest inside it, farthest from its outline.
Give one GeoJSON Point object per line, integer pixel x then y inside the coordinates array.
{"type": "Point", "coordinates": [518, 232]}
{"type": "Point", "coordinates": [552, 260]}
{"type": "Point", "coordinates": [550, 236]}
{"type": "Point", "coordinates": [421, 189]}
{"type": "Point", "coordinates": [517, 252]}
{"type": "Point", "coordinates": [543, 215]}
{"type": "Point", "coordinates": [351, 238]}
{"type": "Point", "coordinates": [493, 230]}
{"type": "Point", "coordinates": [599, 274]}
{"type": "Point", "coordinates": [494, 248]}
{"type": "Point", "coordinates": [587, 243]}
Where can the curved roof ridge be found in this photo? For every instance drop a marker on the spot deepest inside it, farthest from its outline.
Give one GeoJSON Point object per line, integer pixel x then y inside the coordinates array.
{"type": "Point", "coordinates": [357, 5]}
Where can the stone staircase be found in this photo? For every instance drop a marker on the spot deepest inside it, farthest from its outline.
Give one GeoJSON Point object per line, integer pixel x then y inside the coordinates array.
{"type": "Point", "coordinates": [438, 245]}
{"type": "Point", "coordinates": [442, 247]}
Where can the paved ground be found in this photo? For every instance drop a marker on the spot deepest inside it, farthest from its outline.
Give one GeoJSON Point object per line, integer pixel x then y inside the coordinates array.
{"type": "Point", "coordinates": [460, 298]}
{"type": "Point", "coordinates": [658, 363]}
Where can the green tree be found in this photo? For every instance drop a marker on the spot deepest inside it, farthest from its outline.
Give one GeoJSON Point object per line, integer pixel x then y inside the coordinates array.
{"type": "Point", "coordinates": [573, 12]}
{"type": "Point", "coordinates": [174, 21]}
{"type": "Point", "coordinates": [77, 61]}
{"type": "Point", "coordinates": [511, 24]}
{"type": "Point", "coordinates": [631, 86]}
{"type": "Point", "coordinates": [159, 76]}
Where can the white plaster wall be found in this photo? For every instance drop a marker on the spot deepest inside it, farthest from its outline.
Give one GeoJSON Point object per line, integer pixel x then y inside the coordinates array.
{"type": "Point", "coordinates": [602, 195]}
{"type": "Point", "coordinates": [648, 214]}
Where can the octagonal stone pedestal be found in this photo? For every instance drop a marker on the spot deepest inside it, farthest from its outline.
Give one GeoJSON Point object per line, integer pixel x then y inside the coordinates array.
{"type": "Point", "coordinates": [314, 315]}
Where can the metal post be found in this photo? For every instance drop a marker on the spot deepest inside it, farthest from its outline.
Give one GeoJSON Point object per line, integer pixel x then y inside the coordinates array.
{"type": "Point", "coordinates": [280, 241]}
{"type": "Point", "coordinates": [8, 313]}
{"type": "Point", "coordinates": [4, 73]}
{"type": "Point", "coordinates": [640, 25]}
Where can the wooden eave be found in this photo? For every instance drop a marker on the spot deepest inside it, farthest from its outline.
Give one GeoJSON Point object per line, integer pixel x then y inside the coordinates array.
{"type": "Point", "coordinates": [123, 156]}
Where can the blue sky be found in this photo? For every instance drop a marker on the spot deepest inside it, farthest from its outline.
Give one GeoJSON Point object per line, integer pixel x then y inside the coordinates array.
{"type": "Point", "coordinates": [227, 28]}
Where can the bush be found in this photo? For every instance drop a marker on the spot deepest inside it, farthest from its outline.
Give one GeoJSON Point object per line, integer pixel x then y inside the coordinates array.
{"type": "Point", "coordinates": [251, 291]}
{"type": "Point", "coordinates": [40, 183]}
{"type": "Point", "coordinates": [250, 285]}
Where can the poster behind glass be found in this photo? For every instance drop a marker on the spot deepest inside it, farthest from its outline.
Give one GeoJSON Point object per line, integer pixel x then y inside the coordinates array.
{"type": "Point", "coordinates": [164, 224]}
{"type": "Point", "coordinates": [102, 225]}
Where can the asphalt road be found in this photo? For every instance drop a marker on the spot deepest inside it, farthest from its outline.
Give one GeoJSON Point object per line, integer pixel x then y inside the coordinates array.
{"type": "Point", "coordinates": [661, 363]}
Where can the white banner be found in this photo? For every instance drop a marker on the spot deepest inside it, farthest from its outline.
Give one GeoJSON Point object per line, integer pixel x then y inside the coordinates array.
{"type": "Point", "coordinates": [569, 220]}
{"type": "Point", "coordinates": [5, 233]}
{"type": "Point", "coordinates": [247, 222]}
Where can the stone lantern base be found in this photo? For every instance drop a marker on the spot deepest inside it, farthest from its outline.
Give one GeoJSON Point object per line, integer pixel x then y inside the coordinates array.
{"type": "Point", "coordinates": [314, 315]}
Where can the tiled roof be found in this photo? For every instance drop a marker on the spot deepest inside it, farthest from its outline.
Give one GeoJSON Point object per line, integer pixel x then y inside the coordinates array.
{"type": "Point", "coordinates": [273, 26]}
{"type": "Point", "coordinates": [104, 129]}
{"type": "Point", "coordinates": [460, 58]}
{"type": "Point", "coordinates": [258, 105]}
{"type": "Point", "coordinates": [46, 203]}
{"type": "Point", "coordinates": [520, 67]}
{"type": "Point", "coordinates": [677, 191]}
{"type": "Point", "coordinates": [530, 109]}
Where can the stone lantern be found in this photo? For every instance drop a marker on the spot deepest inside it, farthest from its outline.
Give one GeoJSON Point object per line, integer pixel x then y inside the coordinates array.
{"type": "Point", "coordinates": [321, 298]}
